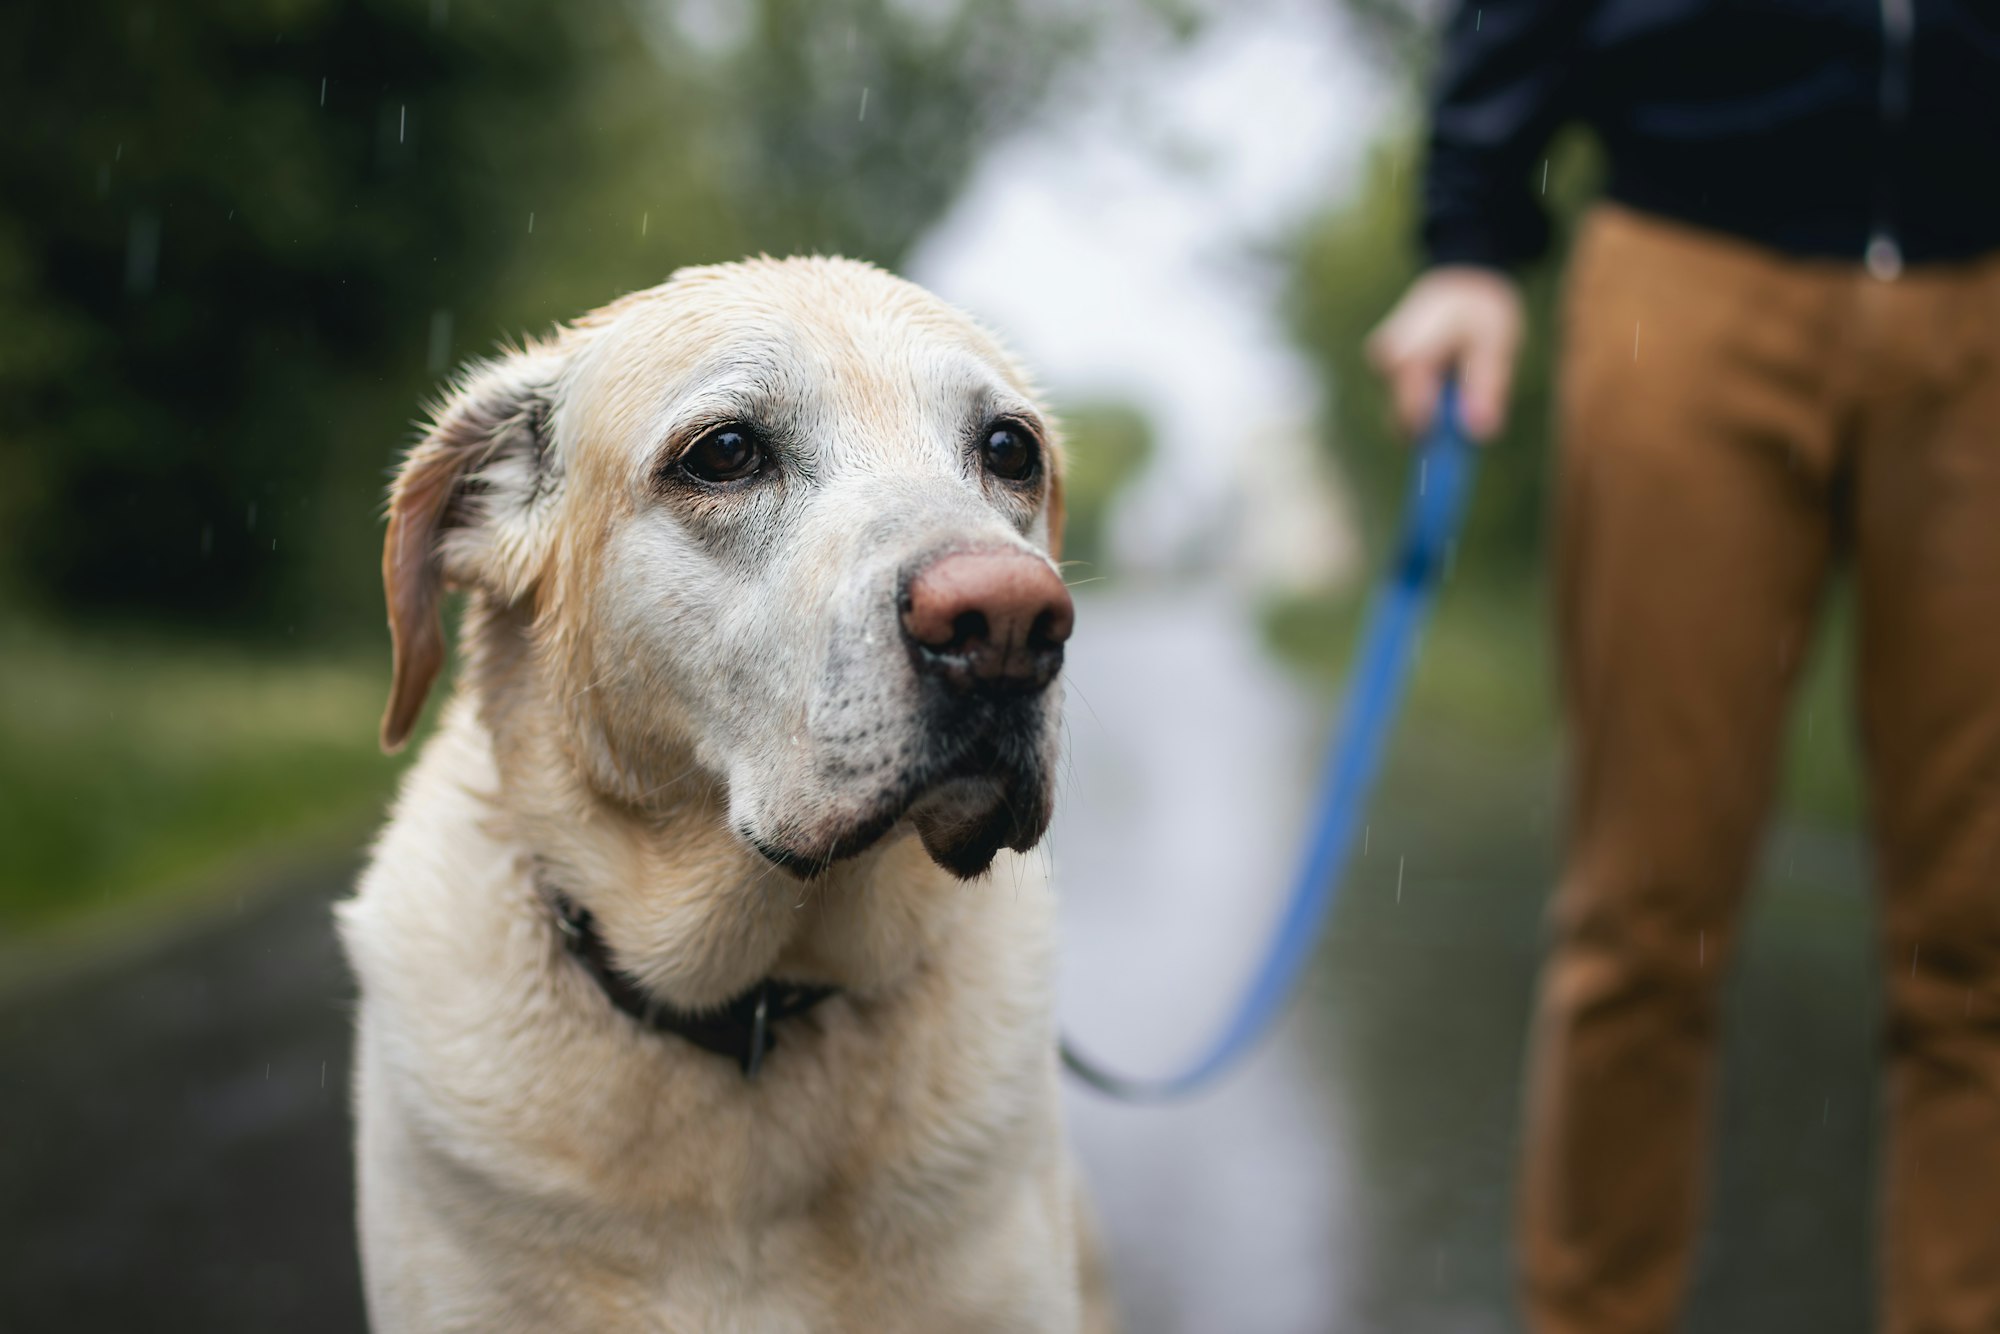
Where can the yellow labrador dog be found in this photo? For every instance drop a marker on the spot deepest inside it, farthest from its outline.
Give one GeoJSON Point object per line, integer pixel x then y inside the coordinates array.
{"type": "Point", "coordinates": [703, 983]}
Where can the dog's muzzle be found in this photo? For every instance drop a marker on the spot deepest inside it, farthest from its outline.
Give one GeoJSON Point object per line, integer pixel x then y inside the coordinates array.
{"type": "Point", "coordinates": [987, 622]}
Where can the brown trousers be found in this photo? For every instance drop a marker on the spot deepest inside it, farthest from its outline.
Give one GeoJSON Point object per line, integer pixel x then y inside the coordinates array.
{"type": "Point", "coordinates": [1729, 418]}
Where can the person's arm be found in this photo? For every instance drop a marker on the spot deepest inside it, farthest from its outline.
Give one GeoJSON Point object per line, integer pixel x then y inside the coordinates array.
{"type": "Point", "coordinates": [1502, 88]}
{"type": "Point", "coordinates": [1501, 91]}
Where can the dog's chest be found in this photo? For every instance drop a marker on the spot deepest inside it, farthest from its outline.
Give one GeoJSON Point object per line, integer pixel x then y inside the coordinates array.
{"type": "Point", "coordinates": [819, 1212]}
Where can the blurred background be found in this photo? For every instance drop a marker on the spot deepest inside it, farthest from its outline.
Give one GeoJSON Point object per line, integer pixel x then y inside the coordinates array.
{"type": "Point", "coordinates": [242, 241]}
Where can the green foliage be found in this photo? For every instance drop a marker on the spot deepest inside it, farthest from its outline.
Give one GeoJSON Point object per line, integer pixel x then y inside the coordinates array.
{"type": "Point", "coordinates": [935, 83]}
{"type": "Point", "coordinates": [1107, 445]}
{"type": "Point", "coordinates": [1823, 776]}
{"type": "Point", "coordinates": [129, 763]}
{"type": "Point", "coordinates": [1483, 666]}
{"type": "Point", "coordinates": [244, 238]}
{"type": "Point", "coordinates": [1350, 269]}
{"type": "Point", "coordinates": [228, 226]}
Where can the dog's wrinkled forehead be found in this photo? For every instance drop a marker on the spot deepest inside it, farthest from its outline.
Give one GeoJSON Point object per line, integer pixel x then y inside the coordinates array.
{"type": "Point", "coordinates": [831, 351]}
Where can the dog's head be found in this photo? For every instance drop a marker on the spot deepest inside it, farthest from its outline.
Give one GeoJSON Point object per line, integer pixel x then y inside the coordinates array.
{"type": "Point", "coordinates": [788, 523]}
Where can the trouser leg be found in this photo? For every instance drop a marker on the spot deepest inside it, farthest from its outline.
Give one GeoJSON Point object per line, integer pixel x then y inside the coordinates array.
{"type": "Point", "coordinates": [1928, 571]}
{"type": "Point", "coordinates": [1693, 534]}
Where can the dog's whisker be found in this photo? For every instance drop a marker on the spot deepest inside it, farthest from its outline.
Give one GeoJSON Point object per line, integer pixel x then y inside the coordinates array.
{"type": "Point", "coordinates": [610, 674]}
{"type": "Point", "coordinates": [1072, 686]}
{"type": "Point", "coordinates": [658, 788]}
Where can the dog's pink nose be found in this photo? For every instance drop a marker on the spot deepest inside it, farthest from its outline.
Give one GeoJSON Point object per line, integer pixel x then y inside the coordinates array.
{"type": "Point", "coordinates": [996, 619]}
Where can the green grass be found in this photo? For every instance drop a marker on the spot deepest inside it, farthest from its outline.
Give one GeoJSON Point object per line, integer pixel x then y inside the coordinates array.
{"type": "Point", "coordinates": [134, 767]}
{"type": "Point", "coordinates": [1484, 675]}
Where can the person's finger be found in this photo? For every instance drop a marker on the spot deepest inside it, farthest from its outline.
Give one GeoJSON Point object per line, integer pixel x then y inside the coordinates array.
{"type": "Point", "coordinates": [1398, 358]}
{"type": "Point", "coordinates": [1382, 348]}
{"type": "Point", "coordinates": [1416, 383]}
{"type": "Point", "coordinates": [1485, 383]}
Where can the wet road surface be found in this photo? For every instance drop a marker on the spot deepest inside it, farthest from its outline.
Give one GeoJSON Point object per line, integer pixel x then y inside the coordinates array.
{"type": "Point", "coordinates": [175, 1134]}
{"type": "Point", "coordinates": [175, 1128]}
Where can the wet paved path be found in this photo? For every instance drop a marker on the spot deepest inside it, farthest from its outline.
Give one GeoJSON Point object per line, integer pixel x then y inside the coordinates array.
{"type": "Point", "coordinates": [173, 1134]}
{"type": "Point", "coordinates": [173, 1158]}
{"type": "Point", "coordinates": [1172, 849]}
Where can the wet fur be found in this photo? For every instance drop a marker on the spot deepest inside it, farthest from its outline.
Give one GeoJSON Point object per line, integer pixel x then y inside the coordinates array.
{"type": "Point", "coordinates": [693, 713]}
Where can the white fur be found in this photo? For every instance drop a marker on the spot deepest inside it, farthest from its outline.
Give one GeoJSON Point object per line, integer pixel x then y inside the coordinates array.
{"type": "Point", "coordinates": [655, 680]}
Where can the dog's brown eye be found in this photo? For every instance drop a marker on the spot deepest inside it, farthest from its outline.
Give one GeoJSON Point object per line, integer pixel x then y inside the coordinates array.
{"type": "Point", "coordinates": [1010, 452]}
{"type": "Point", "coordinates": [725, 454]}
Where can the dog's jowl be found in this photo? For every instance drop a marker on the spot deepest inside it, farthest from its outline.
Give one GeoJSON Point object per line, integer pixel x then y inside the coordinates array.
{"type": "Point", "coordinates": [677, 1010]}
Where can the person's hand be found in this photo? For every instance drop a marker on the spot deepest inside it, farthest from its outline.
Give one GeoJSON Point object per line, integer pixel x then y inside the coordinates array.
{"type": "Point", "coordinates": [1455, 318]}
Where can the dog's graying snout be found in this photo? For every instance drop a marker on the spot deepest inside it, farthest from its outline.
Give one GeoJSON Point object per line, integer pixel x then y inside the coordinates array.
{"type": "Point", "coordinates": [988, 620]}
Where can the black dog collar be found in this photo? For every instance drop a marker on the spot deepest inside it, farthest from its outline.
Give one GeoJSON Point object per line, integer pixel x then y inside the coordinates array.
{"type": "Point", "coordinates": [742, 1029]}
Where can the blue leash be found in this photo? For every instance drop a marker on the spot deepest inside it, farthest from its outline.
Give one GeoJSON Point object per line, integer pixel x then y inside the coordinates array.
{"type": "Point", "coordinates": [1432, 512]}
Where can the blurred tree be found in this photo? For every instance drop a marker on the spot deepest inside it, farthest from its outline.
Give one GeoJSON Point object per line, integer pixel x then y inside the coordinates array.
{"type": "Point", "coordinates": [936, 80]}
{"type": "Point", "coordinates": [241, 237]}
{"type": "Point", "coordinates": [1107, 444]}
{"type": "Point", "coordinates": [226, 221]}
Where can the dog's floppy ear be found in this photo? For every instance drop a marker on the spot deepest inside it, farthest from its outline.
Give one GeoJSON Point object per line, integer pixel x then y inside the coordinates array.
{"type": "Point", "coordinates": [465, 509]}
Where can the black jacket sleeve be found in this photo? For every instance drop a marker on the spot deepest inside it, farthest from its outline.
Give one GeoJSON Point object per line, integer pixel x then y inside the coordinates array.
{"type": "Point", "coordinates": [1502, 88]}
